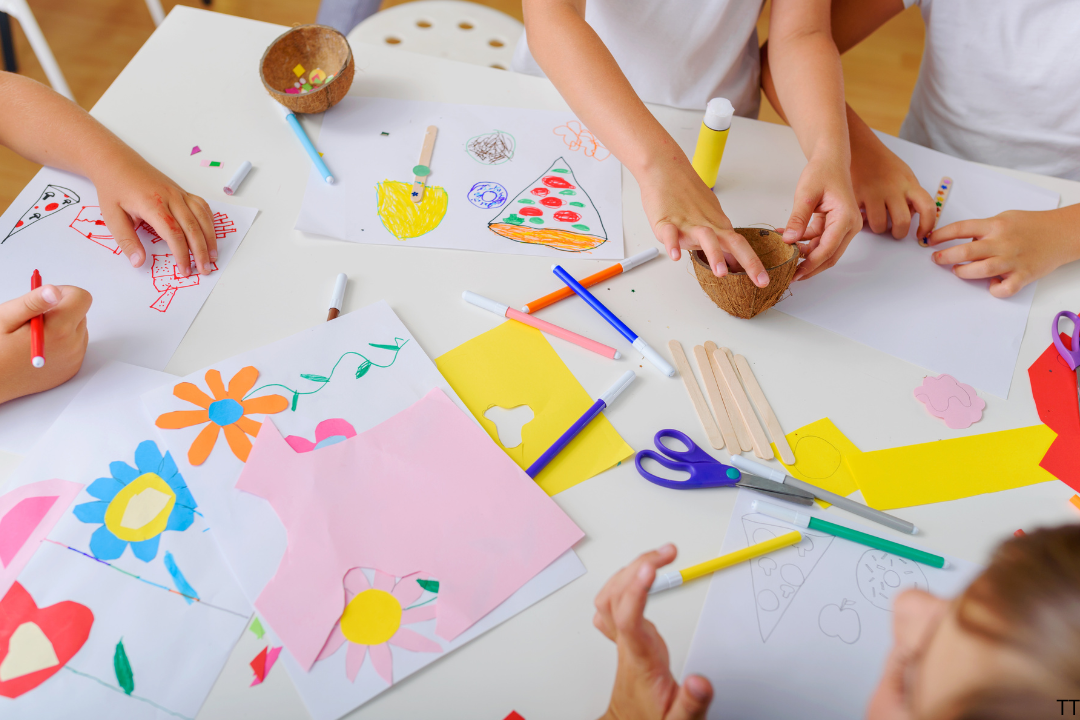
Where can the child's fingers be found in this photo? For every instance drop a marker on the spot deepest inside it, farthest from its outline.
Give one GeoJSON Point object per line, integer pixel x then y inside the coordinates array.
{"type": "Point", "coordinates": [961, 229]}
{"type": "Point", "coordinates": [825, 255]}
{"type": "Point", "coordinates": [692, 700]}
{"type": "Point", "coordinates": [748, 259]}
{"type": "Point", "coordinates": [668, 234]}
{"type": "Point", "coordinates": [119, 224]}
{"type": "Point", "coordinates": [705, 238]}
{"type": "Point", "coordinates": [877, 216]}
{"type": "Point", "coordinates": [901, 217]}
{"type": "Point", "coordinates": [927, 209]}
{"type": "Point", "coordinates": [629, 607]}
{"type": "Point", "coordinates": [990, 267]}
{"type": "Point", "coordinates": [967, 252]}
{"type": "Point", "coordinates": [1007, 287]}
{"type": "Point", "coordinates": [167, 227]}
{"type": "Point", "coordinates": [201, 209]}
{"type": "Point", "coordinates": [18, 311]}
{"type": "Point", "coordinates": [193, 234]}
{"type": "Point", "coordinates": [70, 313]}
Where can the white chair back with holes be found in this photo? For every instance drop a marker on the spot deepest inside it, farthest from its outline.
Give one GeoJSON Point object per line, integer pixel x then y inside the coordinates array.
{"type": "Point", "coordinates": [450, 29]}
{"type": "Point", "coordinates": [19, 10]}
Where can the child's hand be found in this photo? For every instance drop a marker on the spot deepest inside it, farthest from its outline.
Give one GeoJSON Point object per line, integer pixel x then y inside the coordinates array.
{"type": "Point", "coordinates": [824, 187]}
{"type": "Point", "coordinates": [685, 214]}
{"type": "Point", "coordinates": [132, 190]}
{"type": "Point", "coordinates": [1012, 249]}
{"type": "Point", "coordinates": [886, 188]}
{"type": "Point", "coordinates": [65, 339]}
{"type": "Point", "coordinates": [644, 686]}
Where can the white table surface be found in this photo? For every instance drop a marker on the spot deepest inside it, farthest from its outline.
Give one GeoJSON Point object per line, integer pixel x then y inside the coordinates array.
{"type": "Point", "coordinates": [196, 82]}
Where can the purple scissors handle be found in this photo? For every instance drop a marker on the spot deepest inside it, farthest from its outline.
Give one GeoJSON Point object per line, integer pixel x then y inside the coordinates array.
{"type": "Point", "coordinates": [1071, 357]}
{"type": "Point", "coordinates": [705, 470]}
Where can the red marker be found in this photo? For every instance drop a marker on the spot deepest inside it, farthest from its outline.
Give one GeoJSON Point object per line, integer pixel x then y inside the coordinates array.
{"type": "Point", "coordinates": [37, 329]}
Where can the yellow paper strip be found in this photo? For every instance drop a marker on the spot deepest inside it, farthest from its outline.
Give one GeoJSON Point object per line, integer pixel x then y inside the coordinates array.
{"type": "Point", "coordinates": [820, 451]}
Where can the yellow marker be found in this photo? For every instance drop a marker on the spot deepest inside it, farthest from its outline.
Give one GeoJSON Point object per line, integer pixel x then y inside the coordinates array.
{"type": "Point", "coordinates": [675, 579]}
{"type": "Point", "coordinates": [711, 139]}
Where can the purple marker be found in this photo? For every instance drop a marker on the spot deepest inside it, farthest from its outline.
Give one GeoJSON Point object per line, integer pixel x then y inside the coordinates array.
{"type": "Point", "coordinates": [597, 407]}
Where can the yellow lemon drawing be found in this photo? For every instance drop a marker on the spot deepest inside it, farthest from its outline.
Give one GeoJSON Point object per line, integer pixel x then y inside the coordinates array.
{"type": "Point", "coordinates": [405, 218]}
{"type": "Point", "coordinates": [371, 618]}
{"type": "Point", "coordinates": [141, 510]}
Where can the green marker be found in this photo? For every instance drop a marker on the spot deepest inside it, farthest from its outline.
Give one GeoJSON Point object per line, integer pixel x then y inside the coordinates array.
{"type": "Point", "coordinates": [805, 520]}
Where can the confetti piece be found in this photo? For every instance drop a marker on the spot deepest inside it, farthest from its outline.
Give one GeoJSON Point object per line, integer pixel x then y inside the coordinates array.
{"type": "Point", "coordinates": [1075, 500]}
{"type": "Point", "coordinates": [385, 133]}
{"type": "Point", "coordinates": [205, 163]}
{"type": "Point", "coordinates": [257, 628]}
{"type": "Point", "coordinates": [292, 91]}
{"type": "Point", "coordinates": [306, 87]}
{"type": "Point", "coordinates": [317, 76]}
{"type": "Point", "coordinates": [196, 150]}
{"type": "Point", "coordinates": [298, 70]}
{"type": "Point", "coordinates": [215, 163]}
{"type": "Point", "coordinates": [1019, 533]}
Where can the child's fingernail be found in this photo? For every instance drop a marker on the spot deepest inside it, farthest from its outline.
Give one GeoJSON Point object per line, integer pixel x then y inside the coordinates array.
{"type": "Point", "coordinates": [673, 253]}
{"type": "Point", "coordinates": [135, 259]}
{"type": "Point", "coordinates": [790, 234]}
{"type": "Point", "coordinates": [763, 279]}
{"type": "Point", "coordinates": [667, 547]}
{"type": "Point", "coordinates": [49, 295]}
{"type": "Point", "coordinates": [798, 276]}
{"type": "Point", "coordinates": [213, 256]}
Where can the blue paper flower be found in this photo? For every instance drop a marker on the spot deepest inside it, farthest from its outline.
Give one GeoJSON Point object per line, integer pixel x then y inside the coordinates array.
{"type": "Point", "coordinates": [136, 504]}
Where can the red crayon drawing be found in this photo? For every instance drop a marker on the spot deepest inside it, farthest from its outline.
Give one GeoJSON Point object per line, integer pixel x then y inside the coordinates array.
{"type": "Point", "coordinates": [91, 225]}
{"type": "Point", "coordinates": [167, 280]}
{"type": "Point", "coordinates": [52, 200]}
{"type": "Point", "coordinates": [223, 225]}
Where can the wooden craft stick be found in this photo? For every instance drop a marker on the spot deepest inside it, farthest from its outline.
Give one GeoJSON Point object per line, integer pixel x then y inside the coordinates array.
{"type": "Point", "coordinates": [763, 406]}
{"type": "Point", "coordinates": [423, 168]}
{"type": "Point", "coordinates": [757, 434]}
{"type": "Point", "coordinates": [741, 431]}
{"type": "Point", "coordinates": [713, 389]}
{"type": "Point", "coordinates": [702, 410]}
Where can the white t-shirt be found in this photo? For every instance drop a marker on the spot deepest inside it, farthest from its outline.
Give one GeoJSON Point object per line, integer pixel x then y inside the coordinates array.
{"type": "Point", "coordinates": [680, 53]}
{"type": "Point", "coordinates": [1000, 83]}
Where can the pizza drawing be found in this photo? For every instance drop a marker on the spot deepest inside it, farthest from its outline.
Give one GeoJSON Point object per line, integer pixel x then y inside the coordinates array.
{"type": "Point", "coordinates": [91, 226]}
{"type": "Point", "coordinates": [882, 576]}
{"type": "Point", "coordinates": [778, 577]}
{"type": "Point", "coordinates": [554, 211]}
{"type": "Point", "coordinates": [52, 200]}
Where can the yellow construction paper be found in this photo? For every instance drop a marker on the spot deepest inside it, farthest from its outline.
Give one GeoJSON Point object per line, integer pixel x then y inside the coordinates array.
{"type": "Point", "coordinates": [952, 469]}
{"type": "Point", "coordinates": [515, 365]}
{"type": "Point", "coordinates": [820, 451]}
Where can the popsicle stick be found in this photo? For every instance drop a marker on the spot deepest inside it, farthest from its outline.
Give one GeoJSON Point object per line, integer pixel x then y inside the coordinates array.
{"type": "Point", "coordinates": [423, 168]}
{"type": "Point", "coordinates": [757, 434]}
{"type": "Point", "coordinates": [702, 410]}
{"type": "Point", "coordinates": [741, 431]}
{"type": "Point", "coordinates": [753, 389]}
{"type": "Point", "coordinates": [713, 389]}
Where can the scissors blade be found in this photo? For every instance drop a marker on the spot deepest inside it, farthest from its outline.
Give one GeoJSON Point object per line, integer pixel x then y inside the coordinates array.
{"type": "Point", "coordinates": [779, 490]}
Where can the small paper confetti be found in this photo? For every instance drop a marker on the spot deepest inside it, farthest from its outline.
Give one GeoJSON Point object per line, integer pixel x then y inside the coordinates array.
{"type": "Point", "coordinates": [299, 70]}
{"type": "Point", "coordinates": [317, 76]}
{"type": "Point", "coordinates": [305, 87]}
{"type": "Point", "coordinates": [205, 163]}
{"type": "Point", "coordinates": [196, 150]}
{"type": "Point", "coordinates": [257, 628]}
{"type": "Point", "coordinates": [215, 164]}
{"type": "Point", "coordinates": [292, 91]}
{"type": "Point", "coordinates": [385, 133]}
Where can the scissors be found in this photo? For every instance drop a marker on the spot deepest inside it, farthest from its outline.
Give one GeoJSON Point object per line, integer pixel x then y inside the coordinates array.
{"type": "Point", "coordinates": [1071, 357]}
{"type": "Point", "coordinates": [706, 471]}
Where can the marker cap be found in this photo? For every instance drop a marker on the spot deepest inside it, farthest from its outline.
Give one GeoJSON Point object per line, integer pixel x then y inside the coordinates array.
{"type": "Point", "coordinates": [718, 114]}
{"type": "Point", "coordinates": [486, 303]}
{"type": "Point", "coordinates": [615, 390]}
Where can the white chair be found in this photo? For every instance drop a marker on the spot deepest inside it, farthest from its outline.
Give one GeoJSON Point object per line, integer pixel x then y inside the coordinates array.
{"type": "Point", "coordinates": [19, 10]}
{"type": "Point", "coordinates": [450, 29]}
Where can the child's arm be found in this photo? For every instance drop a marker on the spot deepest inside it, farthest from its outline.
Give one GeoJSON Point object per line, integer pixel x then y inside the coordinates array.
{"type": "Point", "coordinates": [1013, 249]}
{"type": "Point", "coordinates": [644, 685]}
{"type": "Point", "coordinates": [884, 185]}
{"type": "Point", "coordinates": [683, 212]}
{"type": "Point", "coordinates": [49, 129]}
{"type": "Point", "coordinates": [65, 339]}
{"type": "Point", "coordinates": [808, 77]}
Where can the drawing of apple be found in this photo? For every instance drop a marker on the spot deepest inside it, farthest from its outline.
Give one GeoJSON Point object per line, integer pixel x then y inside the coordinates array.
{"type": "Point", "coordinates": [841, 621]}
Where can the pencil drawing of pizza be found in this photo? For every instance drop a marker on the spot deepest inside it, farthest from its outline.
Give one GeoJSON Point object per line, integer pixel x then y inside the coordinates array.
{"type": "Point", "coordinates": [52, 200]}
{"type": "Point", "coordinates": [554, 211]}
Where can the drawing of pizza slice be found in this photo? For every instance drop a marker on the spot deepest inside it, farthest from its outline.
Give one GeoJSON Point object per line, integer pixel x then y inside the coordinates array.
{"type": "Point", "coordinates": [778, 577]}
{"type": "Point", "coordinates": [51, 201]}
{"type": "Point", "coordinates": [554, 211]}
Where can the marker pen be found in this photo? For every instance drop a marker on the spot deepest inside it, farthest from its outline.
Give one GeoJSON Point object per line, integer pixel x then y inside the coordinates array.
{"type": "Point", "coordinates": [711, 139]}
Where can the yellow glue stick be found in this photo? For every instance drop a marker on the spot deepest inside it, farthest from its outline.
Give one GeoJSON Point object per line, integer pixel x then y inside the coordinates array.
{"type": "Point", "coordinates": [711, 139]}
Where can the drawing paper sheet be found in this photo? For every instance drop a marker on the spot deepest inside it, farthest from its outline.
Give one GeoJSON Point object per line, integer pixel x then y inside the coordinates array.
{"type": "Point", "coordinates": [889, 295]}
{"type": "Point", "coordinates": [489, 163]}
{"type": "Point", "coordinates": [361, 369]}
{"type": "Point", "coordinates": [139, 315]}
{"type": "Point", "coordinates": [806, 627]}
{"type": "Point", "coordinates": [174, 645]}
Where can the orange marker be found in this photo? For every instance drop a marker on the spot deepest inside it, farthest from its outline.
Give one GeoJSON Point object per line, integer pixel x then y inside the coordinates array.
{"type": "Point", "coordinates": [37, 329]}
{"type": "Point", "coordinates": [617, 269]}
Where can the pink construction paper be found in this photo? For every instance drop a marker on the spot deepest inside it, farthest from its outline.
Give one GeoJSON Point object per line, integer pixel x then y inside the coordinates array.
{"type": "Point", "coordinates": [425, 491]}
{"type": "Point", "coordinates": [959, 405]}
{"type": "Point", "coordinates": [195, 150]}
{"type": "Point", "coordinates": [27, 514]}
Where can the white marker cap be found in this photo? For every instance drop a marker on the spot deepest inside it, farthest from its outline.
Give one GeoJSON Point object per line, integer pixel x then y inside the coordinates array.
{"type": "Point", "coordinates": [756, 468]}
{"type": "Point", "coordinates": [237, 178]}
{"type": "Point", "coordinates": [615, 390]}
{"type": "Point", "coordinates": [38, 361]}
{"type": "Point", "coordinates": [788, 515]}
{"type": "Point", "coordinates": [654, 357]}
{"type": "Point", "coordinates": [642, 257]}
{"type": "Point", "coordinates": [666, 582]}
{"type": "Point", "coordinates": [718, 114]}
{"type": "Point", "coordinates": [486, 303]}
{"type": "Point", "coordinates": [339, 291]}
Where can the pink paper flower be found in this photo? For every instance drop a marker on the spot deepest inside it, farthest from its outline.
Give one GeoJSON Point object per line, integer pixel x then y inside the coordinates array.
{"type": "Point", "coordinates": [373, 620]}
{"type": "Point", "coordinates": [328, 432]}
{"type": "Point", "coordinates": [954, 402]}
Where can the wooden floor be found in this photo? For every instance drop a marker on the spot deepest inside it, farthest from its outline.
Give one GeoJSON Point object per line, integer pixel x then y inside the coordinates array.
{"type": "Point", "coordinates": [94, 39]}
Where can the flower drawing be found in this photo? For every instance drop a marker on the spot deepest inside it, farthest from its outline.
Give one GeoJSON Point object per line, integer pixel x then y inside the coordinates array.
{"type": "Point", "coordinates": [328, 432]}
{"type": "Point", "coordinates": [136, 504]}
{"type": "Point", "coordinates": [226, 411]}
{"type": "Point", "coordinates": [373, 620]}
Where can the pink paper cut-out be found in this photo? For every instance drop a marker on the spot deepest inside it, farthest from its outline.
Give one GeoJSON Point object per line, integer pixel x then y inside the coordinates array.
{"type": "Point", "coordinates": [205, 163]}
{"type": "Point", "coordinates": [27, 514]}
{"type": "Point", "coordinates": [328, 432]}
{"type": "Point", "coordinates": [959, 405]}
{"type": "Point", "coordinates": [426, 489]}
{"type": "Point", "coordinates": [195, 150]}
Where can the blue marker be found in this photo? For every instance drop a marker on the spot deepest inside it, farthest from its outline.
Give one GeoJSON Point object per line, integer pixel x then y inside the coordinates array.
{"type": "Point", "coordinates": [595, 409]}
{"type": "Point", "coordinates": [640, 345]}
{"type": "Point", "coordinates": [306, 142]}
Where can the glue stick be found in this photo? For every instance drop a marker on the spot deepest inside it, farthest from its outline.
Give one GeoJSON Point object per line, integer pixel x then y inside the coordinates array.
{"type": "Point", "coordinates": [711, 139]}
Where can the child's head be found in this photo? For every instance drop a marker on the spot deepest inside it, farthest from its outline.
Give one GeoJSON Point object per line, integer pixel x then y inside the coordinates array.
{"type": "Point", "coordinates": [1007, 649]}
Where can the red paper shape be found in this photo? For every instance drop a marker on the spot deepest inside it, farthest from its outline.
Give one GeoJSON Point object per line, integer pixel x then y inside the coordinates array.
{"type": "Point", "coordinates": [258, 666]}
{"type": "Point", "coordinates": [66, 625]}
{"type": "Point", "coordinates": [1054, 386]}
{"type": "Point", "coordinates": [513, 716]}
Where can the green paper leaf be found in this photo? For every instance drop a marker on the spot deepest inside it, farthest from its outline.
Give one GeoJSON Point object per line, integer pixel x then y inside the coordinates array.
{"type": "Point", "coordinates": [124, 676]}
{"type": "Point", "coordinates": [385, 347]}
{"type": "Point", "coordinates": [315, 378]}
{"type": "Point", "coordinates": [431, 586]}
{"type": "Point", "coordinates": [257, 628]}
{"type": "Point", "coordinates": [362, 370]}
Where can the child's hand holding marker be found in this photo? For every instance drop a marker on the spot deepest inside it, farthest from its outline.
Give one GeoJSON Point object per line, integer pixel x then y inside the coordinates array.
{"type": "Point", "coordinates": [1012, 249]}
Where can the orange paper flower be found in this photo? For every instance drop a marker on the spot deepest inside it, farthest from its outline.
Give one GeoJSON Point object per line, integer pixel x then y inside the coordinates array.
{"type": "Point", "coordinates": [227, 410]}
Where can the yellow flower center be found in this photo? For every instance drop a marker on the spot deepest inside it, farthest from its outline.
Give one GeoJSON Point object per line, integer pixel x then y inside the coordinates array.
{"type": "Point", "coordinates": [141, 510]}
{"type": "Point", "coordinates": [371, 618]}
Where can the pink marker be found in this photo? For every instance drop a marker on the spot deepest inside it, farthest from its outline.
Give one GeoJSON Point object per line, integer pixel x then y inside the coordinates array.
{"type": "Point", "coordinates": [507, 311]}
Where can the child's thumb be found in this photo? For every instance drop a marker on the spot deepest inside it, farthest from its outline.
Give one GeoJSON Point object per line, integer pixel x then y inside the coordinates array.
{"type": "Point", "coordinates": [692, 700]}
{"type": "Point", "coordinates": [17, 312]}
